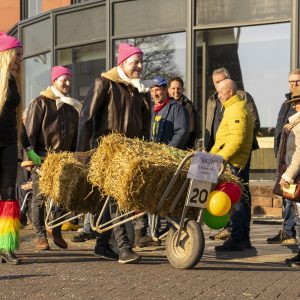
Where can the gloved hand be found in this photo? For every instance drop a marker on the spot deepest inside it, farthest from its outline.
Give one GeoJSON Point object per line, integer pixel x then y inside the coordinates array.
{"type": "Point", "coordinates": [34, 157]}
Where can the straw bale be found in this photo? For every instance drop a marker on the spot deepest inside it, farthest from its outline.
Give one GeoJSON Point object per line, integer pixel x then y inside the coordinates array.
{"type": "Point", "coordinates": [136, 173]}
{"type": "Point", "coordinates": [64, 179]}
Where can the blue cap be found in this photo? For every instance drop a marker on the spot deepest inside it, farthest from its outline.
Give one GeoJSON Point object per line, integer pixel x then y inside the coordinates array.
{"type": "Point", "coordinates": [160, 81]}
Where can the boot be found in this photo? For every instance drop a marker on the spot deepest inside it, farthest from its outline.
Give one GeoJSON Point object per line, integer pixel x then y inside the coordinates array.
{"type": "Point", "coordinates": [58, 240]}
{"type": "Point", "coordinates": [9, 258]}
{"type": "Point", "coordinates": [42, 244]}
{"type": "Point", "coordinates": [144, 240]}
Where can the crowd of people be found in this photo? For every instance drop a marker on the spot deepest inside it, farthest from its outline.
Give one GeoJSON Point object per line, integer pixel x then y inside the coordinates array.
{"type": "Point", "coordinates": [157, 110]}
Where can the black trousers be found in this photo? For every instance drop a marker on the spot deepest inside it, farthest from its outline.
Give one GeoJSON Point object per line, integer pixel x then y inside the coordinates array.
{"type": "Point", "coordinates": [38, 209]}
{"type": "Point", "coordinates": [8, 171]}
{"type": "Point", "coordinates": [119, 232]}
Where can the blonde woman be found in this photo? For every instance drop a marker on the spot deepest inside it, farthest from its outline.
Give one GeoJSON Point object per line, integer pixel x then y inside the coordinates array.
{"type": "Point", "coordinates": [10, 125]}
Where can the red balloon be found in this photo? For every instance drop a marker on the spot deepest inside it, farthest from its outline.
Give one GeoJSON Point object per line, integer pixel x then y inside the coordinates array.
{"type": "Point", "coordinates": [231, 189]}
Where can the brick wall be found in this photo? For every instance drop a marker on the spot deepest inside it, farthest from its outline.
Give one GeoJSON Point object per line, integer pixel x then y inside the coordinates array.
{"type": "Point", "coordinates": [264, 203]}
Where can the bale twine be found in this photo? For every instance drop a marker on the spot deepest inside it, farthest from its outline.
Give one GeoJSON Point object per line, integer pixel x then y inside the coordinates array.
{"type": "Point", "coordinates": [64, 179]}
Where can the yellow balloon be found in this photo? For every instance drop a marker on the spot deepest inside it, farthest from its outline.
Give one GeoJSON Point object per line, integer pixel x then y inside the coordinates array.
{"type": "Point", "coordinates": [218, 203]}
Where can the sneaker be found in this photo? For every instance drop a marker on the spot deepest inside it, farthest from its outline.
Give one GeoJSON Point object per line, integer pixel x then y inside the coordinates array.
{"type": "Point", "coordinates": [127, 256]}
{"type": "Point", "coordinates": [282, 238]}
{"type": "Point", "coordinates": [221, 235]}
{"type": "Point", "coordinates": [293, 261]}
{"type": "Point", "coordinates": [146, 241]}
{"type": "Point", "coordinates": [230, 245]}
{"type": "Point", "coordinates": [82, 237]}
{"type": "Point", "coordinates": [246, 244]}
{"type": "Point", "coordinates": [289, 241]}
{"type": "Point", "coordinates": [68, 226]}
{"type": "Point", "coordinates": [42, 244]}
{"type": "Point", "coordinates": [105, 252]}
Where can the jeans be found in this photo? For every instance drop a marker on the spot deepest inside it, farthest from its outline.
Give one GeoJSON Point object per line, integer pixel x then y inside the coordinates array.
{"type": "Point", "coordinates": [8, 171]}
{"type": "Point", "coordinates": [119, 232]}
{"type": "Point", "coordinates": [87, 228]}
{"type": "Point", "coordinates": [241, 213]}
{"type": "Point", "coordinates": [289, 219]}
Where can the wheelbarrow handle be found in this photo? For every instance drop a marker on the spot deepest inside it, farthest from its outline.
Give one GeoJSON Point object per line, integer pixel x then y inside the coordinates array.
{"type": "Point", "coordinates": [223, 168]}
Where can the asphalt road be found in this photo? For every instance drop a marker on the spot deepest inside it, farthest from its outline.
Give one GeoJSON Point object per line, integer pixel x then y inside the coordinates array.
{"type": "Point", "coordinates": [258, 273]}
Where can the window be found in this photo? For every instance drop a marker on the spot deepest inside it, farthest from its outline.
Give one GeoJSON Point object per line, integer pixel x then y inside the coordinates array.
{"type": "Point", "coordinates": [136, 17]}
{"type": "Point", "coordinates": [229, 11]}
{"type": "Point", "coordinates": [86, 63]}
{"type": "Point", "coordinates": [164, 55]}
{"type": "Point", "coordinates": [37, 75]}
{"type": "Point", "coordinates": [258, 59]}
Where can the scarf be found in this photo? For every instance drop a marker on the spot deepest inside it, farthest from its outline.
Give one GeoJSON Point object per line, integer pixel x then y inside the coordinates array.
{"type": "Point", "coordinates": [160, 105]}
{"type": "Point", "coordinates": [294, 120]}
{"type": "Point", "coordinates": [65, 99]}
{"type": "Point", "coordinates": [143, 86]}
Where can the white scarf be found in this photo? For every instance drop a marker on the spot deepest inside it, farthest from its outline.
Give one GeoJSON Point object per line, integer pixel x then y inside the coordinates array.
{"type": "Point", "coordinates": [65, 99]}
{"type": "Point", "coordinates": [143, 86]}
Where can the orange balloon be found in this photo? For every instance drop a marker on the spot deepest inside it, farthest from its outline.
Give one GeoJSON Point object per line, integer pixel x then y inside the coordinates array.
{"type": "Point", "coordinates": [218, 203]}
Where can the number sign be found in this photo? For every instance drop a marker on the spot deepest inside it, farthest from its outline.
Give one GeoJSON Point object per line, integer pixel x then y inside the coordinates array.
{"type": "Point", "coordinates": [198, 193]}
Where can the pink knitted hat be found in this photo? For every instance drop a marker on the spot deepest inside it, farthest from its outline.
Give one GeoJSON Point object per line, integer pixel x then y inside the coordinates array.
{"type": "Point", "coordinates": [127, 50]}
{"type": "Point", "coordinates": [8, 42]}
{"type": "Point", "coordinates": [58, 71]}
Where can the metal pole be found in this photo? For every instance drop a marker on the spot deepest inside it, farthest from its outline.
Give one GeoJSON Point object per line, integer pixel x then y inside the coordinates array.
{"type": "Point", "coordinates": [295, 35]}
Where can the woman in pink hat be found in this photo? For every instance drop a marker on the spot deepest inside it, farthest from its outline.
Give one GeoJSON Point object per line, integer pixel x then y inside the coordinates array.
{"type": "Point", "coordinates": [10, 125]}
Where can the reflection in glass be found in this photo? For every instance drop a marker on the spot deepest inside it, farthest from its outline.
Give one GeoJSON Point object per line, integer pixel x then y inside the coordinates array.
{"type": "Point", "coordinates": [222, 11]}
{"type": "Point", "coordinates": [86, 63]}
{"type": "Point", "coordinates": [258, 59]}
{"type": "Point", "coordinates": [34, 7]}
{"type": "Point", "coordinates": [37, 75]}
{"type": "Point", "coordinates": [164, 55]}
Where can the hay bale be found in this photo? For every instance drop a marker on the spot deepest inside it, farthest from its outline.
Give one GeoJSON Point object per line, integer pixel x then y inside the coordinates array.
{"type": "Point", "coordinates": [135, 172]}
{"type": "Point", "coordinates": [64, 179]}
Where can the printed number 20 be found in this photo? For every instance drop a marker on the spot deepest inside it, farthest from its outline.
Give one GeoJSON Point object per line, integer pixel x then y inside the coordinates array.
{"type": "Point", "coordinates": [198, 195]}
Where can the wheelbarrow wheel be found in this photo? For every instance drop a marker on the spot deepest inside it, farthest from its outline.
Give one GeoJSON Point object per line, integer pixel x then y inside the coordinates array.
{"type": "Point", "coordinates": [190, 248]}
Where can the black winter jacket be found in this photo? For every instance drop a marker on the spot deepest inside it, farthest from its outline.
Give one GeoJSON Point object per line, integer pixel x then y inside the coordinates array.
{"type": "Point", "coordinates": [286, 110]}
{"type": "Point", "coordinates": [8, 117]}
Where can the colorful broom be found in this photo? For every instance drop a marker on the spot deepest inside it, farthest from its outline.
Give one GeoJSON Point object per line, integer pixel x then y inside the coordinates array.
{"type": "Point", "coordinates": [9, 225]}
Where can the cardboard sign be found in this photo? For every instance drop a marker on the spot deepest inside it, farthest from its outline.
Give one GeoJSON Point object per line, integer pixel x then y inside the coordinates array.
{"type": "Point", "coordinates": [205, 167]}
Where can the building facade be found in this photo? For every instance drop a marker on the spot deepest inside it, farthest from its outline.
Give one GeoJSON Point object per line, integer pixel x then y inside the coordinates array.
{"type": "Point", "coordinates": [256, 40]}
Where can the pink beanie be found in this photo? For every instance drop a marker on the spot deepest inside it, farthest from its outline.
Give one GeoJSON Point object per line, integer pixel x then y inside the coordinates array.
{"type": "Point", "coordinates": [8, 42]}
{"type": "Point", "coordinates": [127, 50]}
{"type": "Point", "coordinates": [58, 71]}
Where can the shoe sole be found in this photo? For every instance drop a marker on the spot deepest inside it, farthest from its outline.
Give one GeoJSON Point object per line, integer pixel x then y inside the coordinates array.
{"type": "Point", "coordinates": [129, 261]}
{"type": "Point", "coordinates": [229, 250]}
{"type": "Point", "coordinates": [105, 257]}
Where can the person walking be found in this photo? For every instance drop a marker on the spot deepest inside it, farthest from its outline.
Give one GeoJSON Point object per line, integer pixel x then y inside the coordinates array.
{"type": "Point", "coordinates": [117, 101]}
{"type": "Point", "coordinates": [51, 124]}
{"type": "Point", "coordinates": [11, 108]}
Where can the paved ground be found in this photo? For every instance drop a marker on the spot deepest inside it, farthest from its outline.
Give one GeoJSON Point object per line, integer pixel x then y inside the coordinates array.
{"type": "Point", "coordinates": [259, 273]}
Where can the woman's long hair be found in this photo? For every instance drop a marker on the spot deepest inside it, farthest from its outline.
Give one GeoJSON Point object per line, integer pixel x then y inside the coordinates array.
{"type": "Point", "coordinates": [6, 58]}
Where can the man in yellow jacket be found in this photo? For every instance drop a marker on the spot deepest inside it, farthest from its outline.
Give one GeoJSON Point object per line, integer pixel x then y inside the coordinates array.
{"type": "Point", "coordinates": [234, 142]}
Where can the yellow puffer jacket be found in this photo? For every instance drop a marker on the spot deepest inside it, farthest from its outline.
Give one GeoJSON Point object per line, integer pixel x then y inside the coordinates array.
{"type": "Point", "coordinates": [235, 133]}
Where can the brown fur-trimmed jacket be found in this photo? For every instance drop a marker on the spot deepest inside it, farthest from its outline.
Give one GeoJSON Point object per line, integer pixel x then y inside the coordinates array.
{"type": "Point", "coordinates": [49, 128]}
{"type": "Point", "coordinates": [112, 105]}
